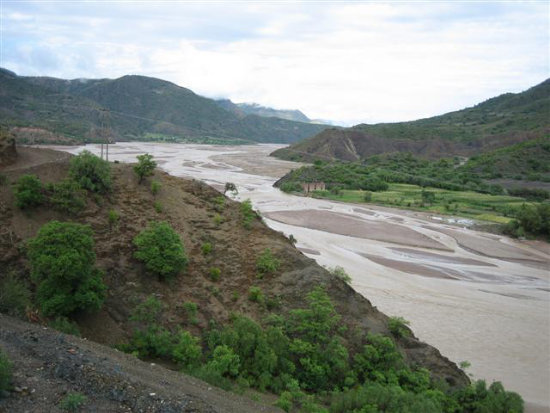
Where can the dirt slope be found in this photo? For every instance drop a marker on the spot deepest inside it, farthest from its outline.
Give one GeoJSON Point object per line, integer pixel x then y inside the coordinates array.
{"type": "Point", "coordinates": [49, 364]}
{"type": "Point", "coordinates": [193, 209]}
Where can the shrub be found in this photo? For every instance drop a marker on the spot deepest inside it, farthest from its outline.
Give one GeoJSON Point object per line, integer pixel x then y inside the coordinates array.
{"type": "Point", "coordinates": [267, 263]}
{"type": "Point", "coordinates": [67, 196]}
{"type": "Point", "coordinates": [113, 218]}
{"type": "Point", "coordinates": [187, 351]}
{"type": "Point", "coordinates": [398, 327]}
{"type": "Point", "coordinates": [224, 362]}
{"type": "Point", "coordinates": [218, 220]}
{"type": "Point", "coordinates": [62, 266]}
{"type": "Point", "coordinates": [206, 248]}
{"type": "Point", "coordinates": [367, 197]}
{"type": "Point", "coordinates": [14, 295]}
{"type": "Point", "coordinates": [158, 207]}
{"type": "Point", "coordinates": [155, 187]}
{"type": "Point", "coordinates": [215, 273]}
{"type": "Point", "coordinates": [73, 402]}
{"type": "Point", "coordinates": [5, 373]}
{"type": "Point", "coordinates": [219, 203]}
{"type": "Point", "coordinates": [291, 187]}
{"type": "Point", "coordinates": [160, 248]}
{"type": "Point", "coordinates": [147, 311]}
{"type": "Point", "coordinates": [91, 172]}
{"type": "Point", "coordinates": [191, 309]}
{"type": "Point", "coordinates": [247, 213]}
{"type": "Point", "coordinates": [28, 192]}
{"type": "Point", "coordinates": [340, 272]}
{"type": "Point", "coordinates": [255, 294]}
{"type": "Point", "coordinates": [145, 166]}
{"type": "Point", "coordinates": [65, 325]}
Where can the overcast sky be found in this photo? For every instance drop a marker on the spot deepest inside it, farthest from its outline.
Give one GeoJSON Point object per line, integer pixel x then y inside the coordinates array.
{"type": "Point", "coordinates": [350, 62]}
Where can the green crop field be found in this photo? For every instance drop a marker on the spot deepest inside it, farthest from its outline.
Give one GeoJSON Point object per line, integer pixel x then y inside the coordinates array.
{"type": "Point", "coordinates": [493, 208]}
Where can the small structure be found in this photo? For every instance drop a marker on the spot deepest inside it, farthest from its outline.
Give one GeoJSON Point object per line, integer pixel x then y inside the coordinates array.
{"type": "Point", "coordinates": [313, 186]}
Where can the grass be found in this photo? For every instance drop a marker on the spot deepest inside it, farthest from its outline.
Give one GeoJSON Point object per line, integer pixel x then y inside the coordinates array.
{"type": "Point", "coordinates": [468, 204]}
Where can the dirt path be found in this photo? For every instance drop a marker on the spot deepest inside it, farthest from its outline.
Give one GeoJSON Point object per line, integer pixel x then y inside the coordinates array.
{"type": "Point", "coordinates": [49, 364]}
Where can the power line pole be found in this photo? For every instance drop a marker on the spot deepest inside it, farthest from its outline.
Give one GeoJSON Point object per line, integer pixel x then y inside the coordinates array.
{"type": "Point", "coordinates": [105, 131]}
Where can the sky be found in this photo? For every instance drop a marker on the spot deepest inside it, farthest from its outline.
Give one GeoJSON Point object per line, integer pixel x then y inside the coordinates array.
{"type": "Point", "coordinates": [348, 62]}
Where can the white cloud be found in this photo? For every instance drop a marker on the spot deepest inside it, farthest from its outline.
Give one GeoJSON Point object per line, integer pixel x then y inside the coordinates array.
{"type": "Point", "coordinates": [352, 62]}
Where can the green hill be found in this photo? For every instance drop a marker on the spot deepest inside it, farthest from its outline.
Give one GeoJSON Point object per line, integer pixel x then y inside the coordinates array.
{"type": "Point", "coordinates": [497, 122]}
{"type": "Point", "coordinates": [138, 108]}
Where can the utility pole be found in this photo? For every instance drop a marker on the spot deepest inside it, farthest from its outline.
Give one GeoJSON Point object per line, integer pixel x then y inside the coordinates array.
{"type": "Point", "coordinates": [105, 131]}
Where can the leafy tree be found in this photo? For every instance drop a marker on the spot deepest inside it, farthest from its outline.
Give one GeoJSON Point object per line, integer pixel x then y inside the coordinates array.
{"type": "Point", "coordinates": [91, 172]}
{"type": "Point", "coordinates": [62, 266]}
{"type": "Point", "coordinates": [187, 351]}
{"type": "Point", "coordinates": [145, 166]}
{"type": "Point", "coordinates": [230, 186]}
{"type": "Point", "coordinates": [28, 192]}
{"type": "Point", "coordinates": [161, 249]}
{"type": "Point", "coordinates": [247, 213]}
{"type": "Point", "coordinates": [428, 197]}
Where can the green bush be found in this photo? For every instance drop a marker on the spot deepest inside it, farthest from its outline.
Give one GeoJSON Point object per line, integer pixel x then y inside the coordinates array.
{"type": "Point", "coordinates": [291, 187]}
{"type": "Point", "coordinates": [155, 187]}
{"type": "Point", "coordinates": [191, 309]}
{"type": "Point", "coordinates": [67, 196]}
{"type": "Point", "coordinates": [91, 172]}
{"type": "Point", "coordinates": [65, 325]}
{"type": "Point", "coordinates": [145, 166]}
{"type": "Point", "coordinates": [215, 273]}
{"type": "Point", "coordinates": [72, 402]}
{"type": "Point", "coordinates": [206, 248]}
{"type": "Point", "coordinates": [14, 295]}
{"type": "Point", "coordinates": [160, 248]}
{"type": "Point", "coordinates": [398, 327]}
{"type": "Point", "coordinates": [187, 351]}
{"type": "Point", "coordinates": [62, 266]}
{"type": "Point", "coordinates": [28, 192]}
{"type": "Point", "coordinates": [255, 294]}
{"type": "Point", "coordinates": [5, 373]}
{"type": "Point", "coordinates": [158, 207]}
{"type": "Point", "coordinates": [147, 311]}
{"type": "Point", "coordinates": [267, 263]}
{"type": "Point", "coordinates": [247, 214]}
{"type": "Point", "coordinates": [113, 218]}
{"type": "Point", "coordinates": [340, 272]}
{"type": "Point", "coordinates": [219, 203]}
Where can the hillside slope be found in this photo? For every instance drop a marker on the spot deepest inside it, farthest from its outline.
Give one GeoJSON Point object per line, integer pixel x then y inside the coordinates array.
{"type": "Point", "coordinates": [497, 122]}
{"type": "Point", "coordinates": [199, 215]}
{"type": "Point", "coordinates": [48, 365]}
{"type": "Point", "coordinates": [138, 107]}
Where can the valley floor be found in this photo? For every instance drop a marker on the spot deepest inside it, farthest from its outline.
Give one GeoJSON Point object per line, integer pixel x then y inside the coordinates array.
{"type": "Point", "coordinates": [475, 296]}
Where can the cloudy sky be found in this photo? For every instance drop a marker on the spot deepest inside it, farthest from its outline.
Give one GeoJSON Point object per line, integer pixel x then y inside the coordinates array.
{"type": "Point", "coordinates": [350, 62]}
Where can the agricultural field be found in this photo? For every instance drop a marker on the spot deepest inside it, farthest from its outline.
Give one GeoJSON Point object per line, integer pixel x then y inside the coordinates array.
{"type": "Point", "coordinates": [486, 207]}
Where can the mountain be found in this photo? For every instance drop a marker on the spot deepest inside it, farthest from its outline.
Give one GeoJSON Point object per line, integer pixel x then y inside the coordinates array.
{"type": "Point", "coordinates": [497, 122]}
{"type": "Point", "coordinates": [134, 107]}
{"type": "Point", "coordinates": [243, 109]}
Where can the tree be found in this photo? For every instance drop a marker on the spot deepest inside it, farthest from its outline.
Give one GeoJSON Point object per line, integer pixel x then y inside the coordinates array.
{"type": "Point", "coordinates": [91, 172]}
{"type": "Point", "coordinates": [230, 186]}
{"type": "Point", "coordinates": [28, 192]}
{"type": "Point", "coordinates": [62, 267]}
{"type": "Point", "coordinates": [428, 197]}
{"type": "Point", "coordinates": [145, 166]}
{"type": "Point", "coordinates": [160, 248]}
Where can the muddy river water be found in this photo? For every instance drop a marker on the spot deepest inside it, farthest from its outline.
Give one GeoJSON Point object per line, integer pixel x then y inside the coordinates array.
{"type": "Point", "coordinates": [477, 297]}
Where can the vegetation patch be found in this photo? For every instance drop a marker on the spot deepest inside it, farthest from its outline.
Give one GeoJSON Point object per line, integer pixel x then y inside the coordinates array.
{"type": "Point", "coordinates": [160, 248]}
{"type": "Point", "coordinates": [62, 267]}
{"type": "Point", "coordinates": [91, 172]}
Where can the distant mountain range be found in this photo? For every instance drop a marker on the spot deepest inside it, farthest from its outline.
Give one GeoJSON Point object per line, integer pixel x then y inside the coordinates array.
{"type": "Point", "coordinates": [497, 122]}
{"type": "Point", "coordinates": [134, 108]}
